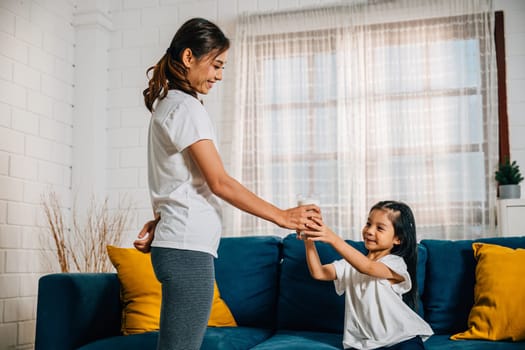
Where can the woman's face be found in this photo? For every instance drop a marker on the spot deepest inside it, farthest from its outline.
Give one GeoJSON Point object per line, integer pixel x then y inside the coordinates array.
{"type": "Point", "coordinates": [203, 73]}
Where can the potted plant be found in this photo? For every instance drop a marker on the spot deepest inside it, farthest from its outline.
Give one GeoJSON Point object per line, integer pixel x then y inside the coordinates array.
{"type": "Point", "coordinates": [508, 177]}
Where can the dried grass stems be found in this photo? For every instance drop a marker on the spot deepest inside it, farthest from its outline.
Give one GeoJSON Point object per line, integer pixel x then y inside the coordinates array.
{"type": "Point", "coordinates": [82, 248]}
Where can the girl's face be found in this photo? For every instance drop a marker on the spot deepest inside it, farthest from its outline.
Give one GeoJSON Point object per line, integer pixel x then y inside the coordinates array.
{"type": "Point", "coordinates": [203, 73]}
{"type": "Point", "coordinates": [378, 233]}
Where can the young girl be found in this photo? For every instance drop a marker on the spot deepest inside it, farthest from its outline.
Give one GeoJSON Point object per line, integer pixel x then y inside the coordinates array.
{"type": "Point", "coordinates": [185, 177]}
{"type": "Point", "coordinates": [374, 284]}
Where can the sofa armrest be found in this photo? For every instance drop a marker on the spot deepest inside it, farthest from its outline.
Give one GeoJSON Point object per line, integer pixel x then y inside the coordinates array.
{"type": "Point", "coordinates": [74, 309]}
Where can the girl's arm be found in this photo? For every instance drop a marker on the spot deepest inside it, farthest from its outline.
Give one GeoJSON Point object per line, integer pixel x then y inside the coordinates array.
{"type": "Point", "coordinates": [320, 232]}
{"type": "Point", "coordinates": [224, 186]}
{"type": "Point", "coordinates": [317, 270]}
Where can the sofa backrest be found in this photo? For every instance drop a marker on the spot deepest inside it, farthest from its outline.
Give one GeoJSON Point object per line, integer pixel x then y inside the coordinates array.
{"type": "Point", "coordinates": [449, 283]}
{"type": "Point", "coordinates": [308, 304]}
{"type": "Point", "coordinates": [305, 303]}
{"type": "Point", "coordinates": [247, 274]}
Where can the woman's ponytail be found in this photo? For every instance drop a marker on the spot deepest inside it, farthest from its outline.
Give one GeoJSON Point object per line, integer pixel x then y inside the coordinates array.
{"type": "Point", "coordinates": [158, 83]}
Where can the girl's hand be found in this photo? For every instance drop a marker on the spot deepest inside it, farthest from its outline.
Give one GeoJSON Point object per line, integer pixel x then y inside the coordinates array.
{"type": "Point", "coordinates": [145, 236]}
{"type": "Point", "coordinates": [318, 231]}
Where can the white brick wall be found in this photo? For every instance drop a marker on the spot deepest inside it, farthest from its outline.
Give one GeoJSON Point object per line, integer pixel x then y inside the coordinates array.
{"type": "Point", "coordinates": [37, 98]}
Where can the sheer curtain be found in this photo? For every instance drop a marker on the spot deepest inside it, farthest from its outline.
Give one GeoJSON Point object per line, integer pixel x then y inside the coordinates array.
{"type": "Point", "coordinates": [361, 102]}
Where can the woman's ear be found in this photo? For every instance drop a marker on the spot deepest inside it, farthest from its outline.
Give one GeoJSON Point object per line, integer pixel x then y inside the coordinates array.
{"type": "Point", "coordinates": [187, 57]}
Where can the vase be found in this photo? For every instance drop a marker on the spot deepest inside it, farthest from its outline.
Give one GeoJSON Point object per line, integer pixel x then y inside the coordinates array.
{"type": "Point", "coordinates": [509, 191]}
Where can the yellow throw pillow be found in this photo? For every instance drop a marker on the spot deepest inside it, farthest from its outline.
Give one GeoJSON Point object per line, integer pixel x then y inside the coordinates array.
{"type": "Point", "coordinates": [140, 293]}
{"type": "Point", "coordinates": [499, 295]}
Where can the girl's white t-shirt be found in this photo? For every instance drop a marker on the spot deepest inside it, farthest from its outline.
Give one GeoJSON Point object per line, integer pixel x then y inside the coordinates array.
{"type": "Point", "coordinates": [190, 213]}
{"type": "Point", "coordinates": [375, 313]}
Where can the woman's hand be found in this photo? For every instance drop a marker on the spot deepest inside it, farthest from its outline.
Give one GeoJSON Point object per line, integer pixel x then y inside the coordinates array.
{"type": "Point", "coordinates": [299, 218]}
{"type": "Point", "coordinates": [145, 236]}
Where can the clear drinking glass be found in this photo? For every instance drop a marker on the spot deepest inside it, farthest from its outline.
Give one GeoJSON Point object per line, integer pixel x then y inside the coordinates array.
{"type": "Point", "coordinates": [308, 199]}
{"type": "Point", "coordinates": [305, 200]}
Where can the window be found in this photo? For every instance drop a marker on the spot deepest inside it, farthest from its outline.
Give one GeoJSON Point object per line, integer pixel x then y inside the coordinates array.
{"type": "Point", "coordinates": [357, 114]}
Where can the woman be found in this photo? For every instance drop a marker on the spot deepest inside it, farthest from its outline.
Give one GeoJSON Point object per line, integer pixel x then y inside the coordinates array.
{"type": "Point", "coordinates": [185, 174]}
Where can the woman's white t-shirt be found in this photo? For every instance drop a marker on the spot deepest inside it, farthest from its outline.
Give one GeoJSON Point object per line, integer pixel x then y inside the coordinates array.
{"type": "Point", "coordinates": [189, 211]}
{"type": "Point", "coordinates": [375, 313]}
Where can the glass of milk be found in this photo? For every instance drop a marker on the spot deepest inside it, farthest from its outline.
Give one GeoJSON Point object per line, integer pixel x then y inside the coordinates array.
{"type": "Point", "coordinates": [306, 200]}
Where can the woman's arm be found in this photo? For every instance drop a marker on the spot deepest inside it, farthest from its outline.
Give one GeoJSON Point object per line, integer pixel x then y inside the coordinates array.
{"type": "Point", "coordinates": [224, 186]}
{"type": "Point", "coordinates": [320, 232]}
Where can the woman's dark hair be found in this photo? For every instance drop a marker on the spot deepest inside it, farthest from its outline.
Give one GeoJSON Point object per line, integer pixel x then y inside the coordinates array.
{"type": "Point", "coordinates": [199, 35]}
{"type": "Point", "coordinates": [402, 218]}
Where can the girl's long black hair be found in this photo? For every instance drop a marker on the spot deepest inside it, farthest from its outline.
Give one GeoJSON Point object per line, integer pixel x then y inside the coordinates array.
{"type": "Point", "coordinates": [405, 229]}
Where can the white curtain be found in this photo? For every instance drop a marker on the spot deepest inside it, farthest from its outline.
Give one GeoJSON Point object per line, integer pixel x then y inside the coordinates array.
{"type": "Point", "coordinates": [367, 101]}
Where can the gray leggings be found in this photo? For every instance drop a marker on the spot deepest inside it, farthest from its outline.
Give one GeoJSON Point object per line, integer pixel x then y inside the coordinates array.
{"type": "Point", "coordinates": [187, 291]}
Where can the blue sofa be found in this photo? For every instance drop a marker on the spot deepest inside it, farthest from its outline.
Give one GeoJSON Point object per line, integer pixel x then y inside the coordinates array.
{"type": "Point", "coordinates": [277, 305]}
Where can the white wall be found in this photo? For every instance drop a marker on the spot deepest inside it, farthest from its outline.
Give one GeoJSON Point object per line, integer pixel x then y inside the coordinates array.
{"type": "Point", "coordinates": [36, 98]}
{"type": "Point", "coordinates": [514, 13]}
{"type": "Point", "coordinates": [46, 89]}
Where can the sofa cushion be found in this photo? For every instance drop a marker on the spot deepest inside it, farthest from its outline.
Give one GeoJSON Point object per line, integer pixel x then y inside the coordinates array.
{"type": "Point", "coordinates": [140, 291]}
{"type": "Point", "coordinates": [224, 338]}
{"type": "Point", "coordinates": [498, 293]}
{"type": "Point", "coordinates": [449, 282]}
{"type": "Point", "coordinates": [234, 338]}
{"type": "Point", "coordinates": [247, 272]}
{"type": "Point", "coordinates": [141, 341]}
{"type": "Point", "coordinates": [443, 342]}
{"type": "Point", "coordinates": [301, 340]}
